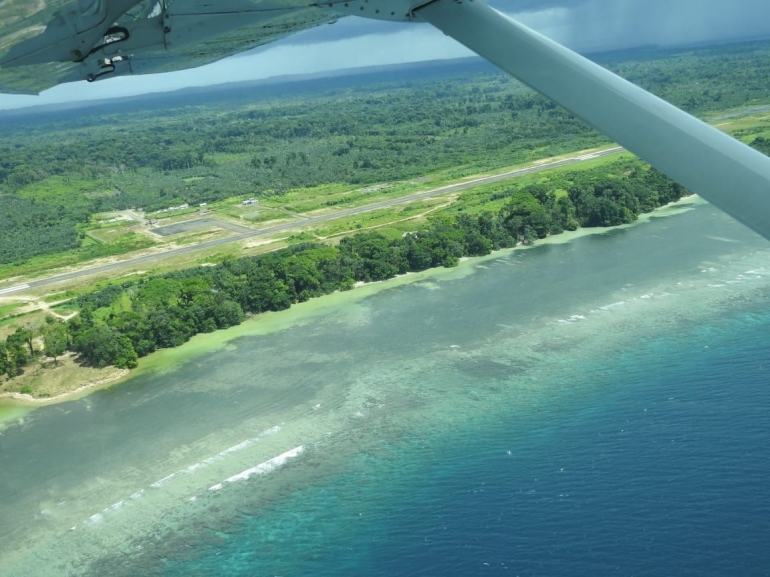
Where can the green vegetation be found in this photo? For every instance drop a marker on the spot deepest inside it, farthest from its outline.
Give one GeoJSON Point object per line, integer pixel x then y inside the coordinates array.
{"type": "Point", "coordinates": [312, 145]}
{"type": "Point", "coordinates": [120, 323]}
{"type": "Point", "coordinates": [762, 144]}
{"type": "Point", "coordinates": [90, 248]}
{"type": "Point", "coordinates": [335, 144]}
{"type": "Point", "coordinates": [32, 228]}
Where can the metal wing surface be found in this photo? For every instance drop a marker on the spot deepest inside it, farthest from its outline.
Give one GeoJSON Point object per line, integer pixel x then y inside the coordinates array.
{"type": "Point", "coordinates": [47, 42]}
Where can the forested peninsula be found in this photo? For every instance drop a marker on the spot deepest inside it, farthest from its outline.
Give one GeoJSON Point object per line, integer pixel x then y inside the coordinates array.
{"type": "Point", "coordinates": [84, 184]}
{"type": "Point", "coordinates": [123, 322]}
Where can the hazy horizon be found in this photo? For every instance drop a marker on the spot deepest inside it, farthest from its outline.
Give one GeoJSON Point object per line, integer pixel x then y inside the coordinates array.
{"type": "Point", "coordinates": [583, 25]}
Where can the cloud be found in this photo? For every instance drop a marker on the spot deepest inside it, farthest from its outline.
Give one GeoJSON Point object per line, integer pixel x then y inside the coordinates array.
{"type": "Point", "coordinates": [599, 24]}
{"type": "Point", "coordinates": [622, 23]}
{"type": "Point", "coordinates": [351, 42]}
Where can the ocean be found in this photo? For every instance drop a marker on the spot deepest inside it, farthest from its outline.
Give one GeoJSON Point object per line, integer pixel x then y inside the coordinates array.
{"type": "Point", "coordinates": [594, 407]}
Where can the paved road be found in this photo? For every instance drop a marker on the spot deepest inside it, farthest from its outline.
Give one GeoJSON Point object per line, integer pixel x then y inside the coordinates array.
{"type": "Point", "coordinates": [311, 220]}
{"type": "Point", "coordinates": [199, 223]}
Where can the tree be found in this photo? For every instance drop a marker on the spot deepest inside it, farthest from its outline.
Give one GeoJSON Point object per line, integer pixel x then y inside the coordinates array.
{"type": "Point", "coordinates": [190, 288]}
{"type": "Point", "coordinates": [419, 251]}
{"type": "Point", "coordinates": [524, 211]}
{"type": "Point", "coordinates": [83, 321]}
{"type": "Point", "coordinates": [476, 244]}
{"type": "Point", "coordinates": [23, 336]}
{"type": "Point", "coordinates": [5, 364]}
{"type": "Point", "coordinates": [160, 291]}
{"type": "Point", "coordinates": [541, 192]}
{"type": "Point", "coordinates": [564, 214]}
{"type": "Point", "coordinates": [762, 144]}
{"type": "Point", "coordinates": [102, 345]}
{"type": "Point", "coordinates": [491, 227]}
{"type": "Point", "coordinates": [301, 274]}
{"type": "Point", "coordinates": [604, 212]}
{"type": "Point", "coordinates": [378, 258]}
{"type": "Point", "coordinates": [55, 338]}
{"type": "Point", "coordinates": [227, 314]}
{"type": "Point", "coordinates": [17, 358]}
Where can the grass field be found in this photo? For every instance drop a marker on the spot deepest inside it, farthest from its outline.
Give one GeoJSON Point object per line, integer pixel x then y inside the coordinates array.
{"type": "Point", "coordinates": [125, 239]}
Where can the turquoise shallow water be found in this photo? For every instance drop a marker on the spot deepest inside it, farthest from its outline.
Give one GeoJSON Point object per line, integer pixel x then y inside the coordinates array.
{"type": "Point", "coordinates": [598, 407]}
{"type": "Point", "coordinates": [665, 474]}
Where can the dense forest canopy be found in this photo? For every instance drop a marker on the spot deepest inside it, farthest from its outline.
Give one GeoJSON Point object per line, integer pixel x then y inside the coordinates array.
{"type": "Point", "coordinates": [120, 323]}
{"type": "Point", "coordinates": [56, 173]}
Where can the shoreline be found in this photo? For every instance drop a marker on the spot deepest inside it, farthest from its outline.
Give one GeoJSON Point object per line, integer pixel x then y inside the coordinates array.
{"type": "Point", "coordinates": [391, 394]}
{"type": "Point", "coordinates": [153, 362]}
{"type": "Point", "coordinates": [67, 395]}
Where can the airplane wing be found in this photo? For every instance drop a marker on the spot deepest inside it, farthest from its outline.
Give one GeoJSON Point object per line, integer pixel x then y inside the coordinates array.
{"type": "Point", "coordinates": [50, 42]}
{"type": "Point", "coordinates": [46, 42]}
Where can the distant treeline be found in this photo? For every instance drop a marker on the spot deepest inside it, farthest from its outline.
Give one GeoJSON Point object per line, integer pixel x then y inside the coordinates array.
{"type": "Point", "coordinates": [54, 175]}
{"type": "Point", "coordinates": [121, 323]}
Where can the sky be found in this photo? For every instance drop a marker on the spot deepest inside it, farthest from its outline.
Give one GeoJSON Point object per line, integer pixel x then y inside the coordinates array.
{"type": "Point", "coordinates": [584, 25]}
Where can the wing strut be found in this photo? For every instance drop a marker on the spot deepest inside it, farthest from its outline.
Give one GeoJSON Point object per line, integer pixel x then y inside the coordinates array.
{"type": "Point", "coordinates": [727, 173]}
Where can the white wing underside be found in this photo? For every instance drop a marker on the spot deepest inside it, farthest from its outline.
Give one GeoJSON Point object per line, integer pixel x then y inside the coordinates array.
{"type": "Point", "coordinates": [48, 42]}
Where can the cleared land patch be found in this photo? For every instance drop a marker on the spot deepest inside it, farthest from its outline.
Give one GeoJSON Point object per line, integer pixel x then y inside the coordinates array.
{"type": "Point", "coordinates": [198, 224]}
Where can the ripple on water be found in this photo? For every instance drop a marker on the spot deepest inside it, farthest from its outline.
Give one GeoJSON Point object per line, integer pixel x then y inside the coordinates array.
{"type": "Point", "coordinates": [378, 396]}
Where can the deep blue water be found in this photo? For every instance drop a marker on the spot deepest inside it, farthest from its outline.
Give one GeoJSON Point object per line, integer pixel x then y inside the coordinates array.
{"type": "Point", "coordinates": [661, 468]}
{"type": "Point", "coordinates": [465, 427]}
